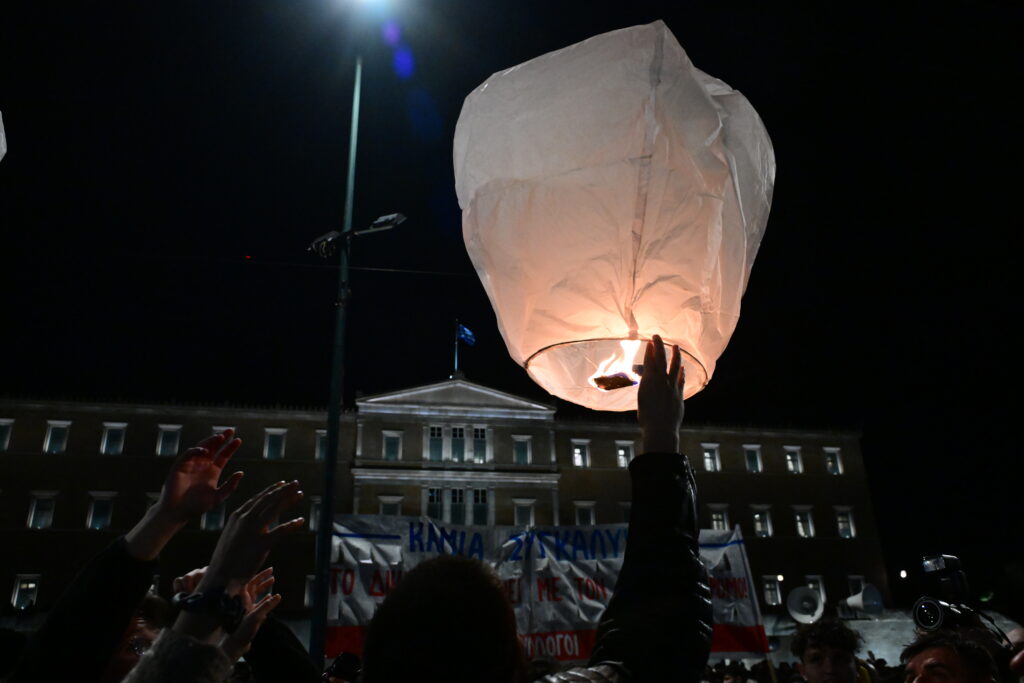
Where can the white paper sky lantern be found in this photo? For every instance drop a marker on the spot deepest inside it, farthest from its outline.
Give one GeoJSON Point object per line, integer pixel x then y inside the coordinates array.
{"type": "Point", "coordinates": [611, 191]}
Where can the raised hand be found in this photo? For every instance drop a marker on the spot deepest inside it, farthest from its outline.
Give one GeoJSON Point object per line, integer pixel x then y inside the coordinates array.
{"type": "Point", "coordinates": [257, 586]}
{"type": "Point", "coordinates": [191, 488]}
{"type": "Point", "coordinates": [238, 643]}
{"type": "Point", "coordinates": [660, 399]}
{"type": "Point", "coordinates": [247, 539]}
{"type": "Point", "coordinates": [189, 491]}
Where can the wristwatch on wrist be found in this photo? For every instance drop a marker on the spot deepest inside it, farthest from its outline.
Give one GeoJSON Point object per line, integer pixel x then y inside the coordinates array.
{"type": "Point", "coordinates": [227, 609]}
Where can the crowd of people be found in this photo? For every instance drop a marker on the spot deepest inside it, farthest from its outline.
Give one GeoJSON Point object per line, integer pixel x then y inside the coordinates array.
{"type": "Point", "coordinates": [449, 619]}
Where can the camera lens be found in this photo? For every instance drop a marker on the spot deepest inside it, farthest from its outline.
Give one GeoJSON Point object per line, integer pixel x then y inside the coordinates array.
{"type": "Point", "coordinates": [928, 614]}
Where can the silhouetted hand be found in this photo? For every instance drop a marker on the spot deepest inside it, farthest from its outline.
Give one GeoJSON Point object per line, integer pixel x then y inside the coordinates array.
{"type": "Point", "coordinates": [238, 643]}
{"type": "Point", "coordinates": [660, 399]}
{"type": "Point", "coordinates": [191, 489]}
{"type": "Point", "coordinates": [247, 539]}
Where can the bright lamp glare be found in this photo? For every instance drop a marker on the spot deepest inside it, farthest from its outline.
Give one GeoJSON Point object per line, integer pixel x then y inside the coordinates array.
{"type": "Point", "coordinates": [903, 573]}
{"type": "Point", "coordinates": [781, 578]}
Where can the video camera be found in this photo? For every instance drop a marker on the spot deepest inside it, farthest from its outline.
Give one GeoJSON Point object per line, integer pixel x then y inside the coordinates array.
{"type": "Point", "coordinates": [950, 610]}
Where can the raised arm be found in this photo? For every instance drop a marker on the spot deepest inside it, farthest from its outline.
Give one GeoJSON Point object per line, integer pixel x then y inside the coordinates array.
{"type": "Point", "coordinates": [658, 622]}
{"type": "Point", "coordinates": [89, 619]}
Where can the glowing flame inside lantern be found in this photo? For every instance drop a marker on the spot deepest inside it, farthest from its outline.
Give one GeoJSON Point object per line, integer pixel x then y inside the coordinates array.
{"type": "Point", "coordinates": [617, 371]}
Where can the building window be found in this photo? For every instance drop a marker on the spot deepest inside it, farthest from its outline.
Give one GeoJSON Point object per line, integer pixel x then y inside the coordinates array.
{"type": "Point", "coordinates": [56, 436]}
{"type": "Point", "coordinates": [320, 449]}
{"type": "Point", "coordinates": [26, 590]}
{"type": "Point", "coordinates": [168, 440]}
{"type": "Point", "coordinates": [844, 523]}
{"type": "Point", "coordinates": [40, 511]}
{"type": "Point", "coordinates": [719, 517]}
{"type": "Point", "coordinates": [816, 583]}
{"type": "Point", "coordinates": [113, 438]}
{"type": "Point", "coordinates": [273, 443]}
{"type": "Point", "coordinates": [623, 453]}
{"type": "Point", "coordinates": [762, 522]}
{"type": "Point", "coordinates": [480, 507]}
{"type": "Point", "coordinates": [101, 510]}
{"type": "Point", "coordinates": [392, 445]}
{"type": "Point", "coordinates": [457, 498]}
{"type": "Point", "coordinates": [524, 511]}
{"type": "Point", "coordinates": [6, 425]}
{"type": "Point", "coordinates": [314, 512]}
{"type": "Point", "coordinates": [833, 461]}
{"type": "Point", "coordinates": [772, 592]}
{"type": "Point", "coordinates": [581, 453]}
{"type": "Point", "coordinates": [712, 461]}
{"type": "Point", "coordinates": [390, 505]}
{"type": "Point", "coordinates": [794, 464]}
{"type": "Point", "coordinates": [521, 450]}
{"type": "Point", "coordinates": [307, 599]}
{"type": "Point", "coordinates": [752, 454]}
{"type": "Point", "coordinates": [458, 444]}
{"type": "Point", "coordinates": [479, 444]}
{"type": "Point", "coordinates": [585, 513]}
{"type": "Point", "coordinates": [804, 522]}
{"type": "Point", "coordinates": [213, 520]}
{"type": "Point", "coordinates": [435, 504]}
{"type": "Point", "coordinates": [435, 444]}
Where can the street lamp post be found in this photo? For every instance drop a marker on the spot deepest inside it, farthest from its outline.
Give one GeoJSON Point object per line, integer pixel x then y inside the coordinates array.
{"type": "Point", "coordinates": [325, 525]}
{"type": "Point", "coordinates": [325, 246]}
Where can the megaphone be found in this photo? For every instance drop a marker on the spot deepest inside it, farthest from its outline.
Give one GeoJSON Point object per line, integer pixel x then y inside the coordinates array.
{"type": "Point", "coordinates": [869, 600]}
{"type": "Point", "coordinates": [805, 605]}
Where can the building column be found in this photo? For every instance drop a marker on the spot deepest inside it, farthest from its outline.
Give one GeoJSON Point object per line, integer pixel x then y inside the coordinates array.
{"type": "Point", "coordinates": [492, 494]}
{"type": "Point", "coordinates": [554, 505]}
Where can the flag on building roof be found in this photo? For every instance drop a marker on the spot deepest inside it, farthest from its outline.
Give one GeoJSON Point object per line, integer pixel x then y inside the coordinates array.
{"type": "Point", "coordinates": [465, 334]}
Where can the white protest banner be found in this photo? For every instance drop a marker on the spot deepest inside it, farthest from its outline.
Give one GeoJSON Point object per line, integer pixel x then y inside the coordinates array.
{"type": "Point", "coordinates": [559, 579]}
{"type": "Point", "coordinates": [737, 629]}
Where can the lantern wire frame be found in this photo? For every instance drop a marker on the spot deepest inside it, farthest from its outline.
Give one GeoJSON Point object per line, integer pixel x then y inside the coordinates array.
{"type": "Point", "coordinates": [568, 365]}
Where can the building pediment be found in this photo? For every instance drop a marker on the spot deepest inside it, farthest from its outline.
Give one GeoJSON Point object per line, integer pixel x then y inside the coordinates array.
{"type": "Point", "coordinates": [455, 398]}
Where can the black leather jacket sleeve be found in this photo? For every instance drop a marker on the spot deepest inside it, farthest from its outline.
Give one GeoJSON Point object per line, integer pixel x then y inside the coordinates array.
{"type": "Point", "coordinates": [82, 631]}
{"type": "Point", "coordinates": [658, 622]}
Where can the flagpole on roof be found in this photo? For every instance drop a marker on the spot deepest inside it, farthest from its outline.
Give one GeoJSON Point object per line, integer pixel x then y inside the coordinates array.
{"type": "Point", "coordinates": [456, 372]}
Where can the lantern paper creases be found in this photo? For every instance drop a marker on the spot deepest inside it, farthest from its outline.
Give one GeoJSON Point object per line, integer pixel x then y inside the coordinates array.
{"type": "Point", "coordinates": [611, 191]}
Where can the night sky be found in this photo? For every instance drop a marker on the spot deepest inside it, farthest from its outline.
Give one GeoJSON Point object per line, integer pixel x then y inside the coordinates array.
{"type": "Point", "coordinates": [168, 163]}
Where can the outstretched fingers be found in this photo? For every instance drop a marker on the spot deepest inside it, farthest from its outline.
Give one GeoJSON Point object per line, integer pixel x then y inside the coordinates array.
{"type": "Point", "coordinates": [224, 454]}
{"type": "Point", "coordinates": [238, 643]}
{"type": "Point", "coordinates": [659, 353]}
{"type": "Point", "coordinates": [228, 487]}
{"type": "Point", "coordinates": [251, 503]}
{"type": "Point", "coordinates": [213, 442]}
{"type": "Point", "coordinates": [271, 504]}
{"type": "Point", "coordinates": [282, 530]}
{"type": "Point", "coordinates": [674, 366]}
